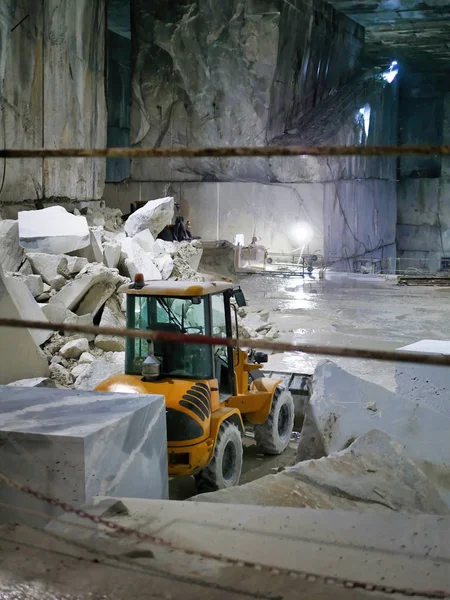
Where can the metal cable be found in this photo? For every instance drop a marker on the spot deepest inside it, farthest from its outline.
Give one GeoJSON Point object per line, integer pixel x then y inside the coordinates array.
{"type": "Point", "coordinates": [258, 344]}
{"type": "Point", "coordinates": [158, 540]}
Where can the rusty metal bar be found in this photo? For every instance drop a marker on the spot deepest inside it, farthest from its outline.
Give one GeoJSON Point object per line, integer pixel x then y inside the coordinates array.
{"type": "Point", "coordinates": [384, 355]}
{"type": "Point", "coordinates": [229, 151]}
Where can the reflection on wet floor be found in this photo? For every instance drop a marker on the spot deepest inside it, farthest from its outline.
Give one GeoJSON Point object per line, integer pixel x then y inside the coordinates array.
{"type": "Point", "coordinates": [353, 311]}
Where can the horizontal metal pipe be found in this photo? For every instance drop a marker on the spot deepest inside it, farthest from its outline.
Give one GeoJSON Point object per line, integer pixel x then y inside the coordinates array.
{"type": "Point", "coordinates": [384, 355]}
{"type": "Point", "coordinates": [229, 151]}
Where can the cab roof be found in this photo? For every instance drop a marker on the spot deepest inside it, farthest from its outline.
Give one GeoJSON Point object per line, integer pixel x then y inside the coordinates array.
{"type": "Point", "coordinates": [181, 289]}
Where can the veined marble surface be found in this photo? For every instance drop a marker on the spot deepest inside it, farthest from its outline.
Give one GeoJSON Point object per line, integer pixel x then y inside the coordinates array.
{"type": "Point", "coordinates": [74, 445]}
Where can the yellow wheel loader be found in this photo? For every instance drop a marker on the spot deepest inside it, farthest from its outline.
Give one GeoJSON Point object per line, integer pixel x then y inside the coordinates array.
{"type": "Point", "coordinates": [210, 391]}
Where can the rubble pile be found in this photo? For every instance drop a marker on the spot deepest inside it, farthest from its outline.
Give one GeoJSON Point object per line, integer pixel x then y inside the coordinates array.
{"type": "Point", "coordinates": [67, 267]}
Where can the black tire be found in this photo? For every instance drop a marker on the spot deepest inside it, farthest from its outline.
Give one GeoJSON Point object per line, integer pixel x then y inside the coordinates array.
{"type": "Point", "coordinates": [225, 468]}
{"type": "Point", "coordinates": [273, 436]}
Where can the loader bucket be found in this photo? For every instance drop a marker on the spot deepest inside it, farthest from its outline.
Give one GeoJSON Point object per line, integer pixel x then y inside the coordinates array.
{"type": "Point", "coordinates": [218, 259]}
{"type": "Point", "coordinates": [300, 387]}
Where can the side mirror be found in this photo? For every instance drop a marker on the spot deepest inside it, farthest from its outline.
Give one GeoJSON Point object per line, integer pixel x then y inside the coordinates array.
{"type": "Point", "coordinates": [239, 297]}
{"type": "Point", "coordinates": [260, 357]}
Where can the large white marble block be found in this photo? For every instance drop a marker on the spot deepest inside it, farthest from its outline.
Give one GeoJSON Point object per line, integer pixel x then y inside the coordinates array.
{"type": "Point", "coordinates": [74, 445]}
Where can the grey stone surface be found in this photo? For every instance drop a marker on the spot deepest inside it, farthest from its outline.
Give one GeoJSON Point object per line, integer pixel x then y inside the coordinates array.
{"type": "Point", "coordinates": [56, 98]}
{"type": "Point", "coordinates": [373, 474]}
{"type": "Point", "coordinates": [75, 445]}
{"type": "Point", "coordinates": [181, 82]}
{"type": "Point", "coordinates": [11, 253]}
{"type": "Point", "coordinates": [44, 382]}
{"type": "Point", "coordinates": [344, 407]}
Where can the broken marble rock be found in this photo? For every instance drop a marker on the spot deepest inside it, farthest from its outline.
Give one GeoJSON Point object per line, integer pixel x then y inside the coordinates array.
{"type": "Point", "coordinates": [34, 382]}
{"type": "Point", "coordinates": [74, 348]}
{"type": "Point", "coordinates": [109, 218]}
{"type": "Point", "coordinates": [93, 252]}
{"type": "Point", "coordinates": [373, 474]}
{"type": "Point", "coordinates": [111, 254]}
{"type": "Point", "coordinates": [96, 297]}
{"type": "Point", "coordinates": [155, 215]}
{"type": "Point", "coordinates": [182, 271]}
{"type": "Point", "coordinates": [11, 253]}
{"type": "Point", "coordinates": [49, 266]}
{"type": "Point", "coordinates": [86, 358]}
{"type": "Point", "coordinates": [79, 369]}
{"type": "Point", "coordinates": [343, 407]}
{"type": "Point", "coordinates": [52, 230]}
{"type": "Point", "coordinates": [191, 252]}
{"type": "Point", "coordinates": [61, 375]}
{"type": "Point", "coordinates": [112, 316]}
{"type": "Point", "coordinates": [56, 312]}
{"type": "Point", "coordinates": [110, 363]}
{"type": "Point", "coordinates": [33, 282]}
{"type": "Point", "coordinates": [20, 354]}
{"type": "Point", "coordinates": [73, 292]}
{"type": "Point", "coordinates": [164, 264]}
{"type": "Point", "coordinates": [74, 319]}
{"type": "Point", "coordinates": [28, 307]}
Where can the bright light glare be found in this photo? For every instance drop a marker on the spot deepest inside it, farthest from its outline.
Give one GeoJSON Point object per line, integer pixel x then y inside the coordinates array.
{"type": "Point", "coordinates": [392, 72]}
{"type": "Point", "coordinates": [301, 234]}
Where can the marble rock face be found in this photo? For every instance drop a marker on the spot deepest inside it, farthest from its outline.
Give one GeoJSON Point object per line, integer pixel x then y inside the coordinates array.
{"type": "Point", "coordinates": [75, 445]}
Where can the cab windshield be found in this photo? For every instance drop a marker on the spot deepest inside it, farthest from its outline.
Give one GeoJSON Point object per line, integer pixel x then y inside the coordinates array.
{"type": "Point", "coordinates": [174, 315]}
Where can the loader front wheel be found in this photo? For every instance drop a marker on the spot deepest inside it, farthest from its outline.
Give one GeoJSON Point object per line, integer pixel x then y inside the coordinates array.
{"type": "Point", "coordinates": [225, 468]}
{"type": "Point", "coordinates": [273, 436]}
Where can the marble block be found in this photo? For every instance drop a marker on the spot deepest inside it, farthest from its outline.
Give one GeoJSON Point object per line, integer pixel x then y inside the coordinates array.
{"type": "Point", "coordinates": [426, 384]}
{"type": "Point", "coordinates": [74, 445]}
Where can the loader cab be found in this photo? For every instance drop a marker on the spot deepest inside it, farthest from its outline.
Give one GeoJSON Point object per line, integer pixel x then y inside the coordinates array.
{"type": "Point", "coordinates": [178, 307]}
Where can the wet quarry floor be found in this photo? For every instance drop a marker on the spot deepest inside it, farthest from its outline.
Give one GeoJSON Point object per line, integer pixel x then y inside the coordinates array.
{"type": "Point", "coordinates": [358, 311]}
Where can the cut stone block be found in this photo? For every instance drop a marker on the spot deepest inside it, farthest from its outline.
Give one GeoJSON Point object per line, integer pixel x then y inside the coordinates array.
{"type": "Point", "coordinates": [344, 407]}
{"type": "Point", "coordinates": [74, 348]}
{"type": "Point", "coordinates": [96, 298]}
{"type": "Point", "coordinates": [111, 363]}
{"type": "Point", "coordinates": [11, 253]}
{"type": "Point", "coordinates": [28, 308]}
{"type": "Point", "coordinates": [425, 383]}
{"type": "Point", "coordinates": [74, 446]}
{"type": "Point", "coordinates": [52, 230]}
{"type": "Point", "coordinates": [373, 474]}
{"type": "Point", "coordinates": [155, 215]}
{"type": "Point", "coordinates": [49, 266]}
{"type": "Point", "coordinates": [44, 382]}
{"type": "Point", "coordinates": [112, 317]}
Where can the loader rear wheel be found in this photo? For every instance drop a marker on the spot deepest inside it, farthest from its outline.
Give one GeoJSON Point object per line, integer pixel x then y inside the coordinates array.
{"type": "Point", "coordinates": [225, 468]}
{"type": "Point", "coordinates": [273, 436]}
